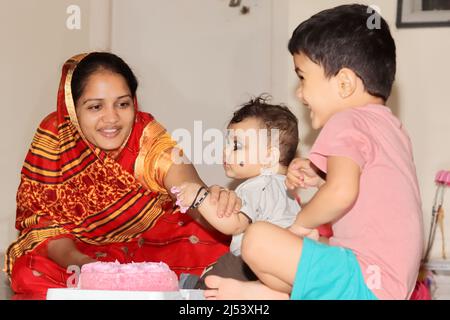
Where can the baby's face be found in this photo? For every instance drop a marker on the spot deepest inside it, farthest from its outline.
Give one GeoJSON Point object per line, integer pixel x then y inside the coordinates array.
{"type": "Point", "coordinates": [246, 149]}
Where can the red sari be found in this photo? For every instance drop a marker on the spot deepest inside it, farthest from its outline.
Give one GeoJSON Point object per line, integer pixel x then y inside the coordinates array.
{"type": "Point", "coordinates": [113, 207]}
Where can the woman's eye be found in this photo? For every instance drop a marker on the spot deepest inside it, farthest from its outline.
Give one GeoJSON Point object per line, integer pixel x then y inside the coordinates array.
{"type": "Point", "coordinates": [95, 107]}
{"type": "Point", "coordinates": [124, 105]}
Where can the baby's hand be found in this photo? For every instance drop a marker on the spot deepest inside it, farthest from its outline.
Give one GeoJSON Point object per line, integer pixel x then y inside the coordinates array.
{"type": "Point", "coordinates": [304, 232]}
{"type": "Point", "coordinates": [185, 194]}
{"type": "Point", "coordinates": [301, 175]}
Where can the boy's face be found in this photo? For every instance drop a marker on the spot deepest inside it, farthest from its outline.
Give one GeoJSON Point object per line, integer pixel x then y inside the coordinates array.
{"type": "Point", "coordinates": [318, 93]}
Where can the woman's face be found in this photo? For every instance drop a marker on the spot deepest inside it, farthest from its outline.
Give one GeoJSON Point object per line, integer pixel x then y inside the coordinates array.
{"type": "Point", "coordinates": [105, 110]}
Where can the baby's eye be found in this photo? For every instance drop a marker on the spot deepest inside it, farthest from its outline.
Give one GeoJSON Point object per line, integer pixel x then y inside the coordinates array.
{"type": "Point", "coordinates": [236, 146]}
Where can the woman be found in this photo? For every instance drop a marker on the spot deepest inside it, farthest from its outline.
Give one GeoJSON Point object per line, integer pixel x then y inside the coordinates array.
{"type": "Point", "coordinates": [95, 185]}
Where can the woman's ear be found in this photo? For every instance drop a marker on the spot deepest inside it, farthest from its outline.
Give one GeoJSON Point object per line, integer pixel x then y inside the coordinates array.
{"type": "Point", "coordinates": [347, 81]}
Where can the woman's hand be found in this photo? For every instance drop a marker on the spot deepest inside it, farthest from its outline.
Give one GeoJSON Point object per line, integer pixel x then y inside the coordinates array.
{"type": "Point", "coordinates": [301, 174]}
{"type": "Point", "coordinates": [228, 201]}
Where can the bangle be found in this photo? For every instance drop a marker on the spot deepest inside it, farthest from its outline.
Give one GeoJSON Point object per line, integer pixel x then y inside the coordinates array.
{"type": "Point", "coordinates": [198, 201]}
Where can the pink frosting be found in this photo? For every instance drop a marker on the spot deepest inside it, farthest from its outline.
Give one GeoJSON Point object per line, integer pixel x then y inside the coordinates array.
{"type": "Point", "coordinates": [143, 276]}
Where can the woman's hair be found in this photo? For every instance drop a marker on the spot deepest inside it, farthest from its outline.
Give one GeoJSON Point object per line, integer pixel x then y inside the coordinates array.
{"type": "Point", "coordinates": [342, 37]}
{"type": "Point", "coordinates": [98, 61]}
{"type": "Point", "coordinates": [273, 117]}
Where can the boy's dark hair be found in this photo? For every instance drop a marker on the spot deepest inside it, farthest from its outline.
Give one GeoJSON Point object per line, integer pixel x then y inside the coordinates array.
{"type": "Point", "coordinates": [97, 61]}
{"type": "Point", "coordinates": [341, 38]}
{"type": "Point", "coordinates": [273, 117]}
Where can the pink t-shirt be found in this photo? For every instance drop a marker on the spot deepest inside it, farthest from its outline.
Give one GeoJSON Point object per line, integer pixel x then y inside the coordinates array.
{"type": "Point", "coordinates": [384, 226]}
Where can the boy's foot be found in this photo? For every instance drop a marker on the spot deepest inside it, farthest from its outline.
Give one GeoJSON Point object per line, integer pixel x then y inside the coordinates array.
{"type": "Point", "coordinates": [230, 289]}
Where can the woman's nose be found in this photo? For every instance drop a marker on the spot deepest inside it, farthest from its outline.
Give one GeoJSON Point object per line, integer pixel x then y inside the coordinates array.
{"type": "Point", "coordinates": [111, 115]}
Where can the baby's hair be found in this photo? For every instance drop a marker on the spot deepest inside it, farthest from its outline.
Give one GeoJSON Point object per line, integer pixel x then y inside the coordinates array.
{"type": "Point", "coordinates": [272, 117]}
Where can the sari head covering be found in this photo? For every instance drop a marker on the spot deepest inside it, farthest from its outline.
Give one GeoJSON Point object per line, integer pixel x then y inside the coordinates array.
{"type": "Point", "coordinates": [71, 188]}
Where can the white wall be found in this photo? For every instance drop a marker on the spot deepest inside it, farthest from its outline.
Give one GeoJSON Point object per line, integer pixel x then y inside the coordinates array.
{"type": "Point", "coordinates": [420, 98]}
{"type": "Point", "coordinates": [195, 60]}
{"type": "Point", "coordinates": [35, 44]}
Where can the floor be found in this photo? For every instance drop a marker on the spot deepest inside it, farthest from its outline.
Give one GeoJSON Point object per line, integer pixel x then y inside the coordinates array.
{"type": "Point", "coordinates": [5, 291]}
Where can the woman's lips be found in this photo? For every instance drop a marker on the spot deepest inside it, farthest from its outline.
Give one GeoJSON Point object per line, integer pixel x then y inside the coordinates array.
{"type": "Point", "coordinates": [109, 132]}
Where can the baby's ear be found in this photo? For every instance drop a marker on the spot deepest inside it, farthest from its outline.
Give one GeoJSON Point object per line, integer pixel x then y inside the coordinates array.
{"type": "Point", "coordinates": [274, 156]}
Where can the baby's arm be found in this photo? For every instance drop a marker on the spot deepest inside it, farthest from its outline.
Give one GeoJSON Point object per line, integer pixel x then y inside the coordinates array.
{"type": "Point", "coordinates": [233, 224]}
{"type": "Point", "coordinates": [335, 197]}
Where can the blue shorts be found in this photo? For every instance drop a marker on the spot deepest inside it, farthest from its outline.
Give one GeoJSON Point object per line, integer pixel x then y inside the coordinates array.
{"type": "Point", "coordinates": [329, 273]}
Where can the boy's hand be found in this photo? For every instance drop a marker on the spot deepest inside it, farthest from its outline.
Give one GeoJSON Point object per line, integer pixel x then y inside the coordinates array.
{"type": "Point", "coordinates": [304, 232]}
{"type": "Point", "coordinates": [301, 175]}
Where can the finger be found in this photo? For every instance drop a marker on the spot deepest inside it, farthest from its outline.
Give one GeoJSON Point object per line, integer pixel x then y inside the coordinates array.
{"type": "Point", "coordinates": [290, 184]}
{"type": "Point", "coordinates": [214, 192]}
{"type": "Point", "coordinates": [232, 199]}
{"type": "Point", "coordinates": [294, 181]}
{"type": "Point", "coordinates": [238, 206]}
{"type": "Point", "coordinates": [222, 203]}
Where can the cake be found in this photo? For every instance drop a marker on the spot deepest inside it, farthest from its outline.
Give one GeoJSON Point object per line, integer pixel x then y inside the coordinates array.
{"type": "Point", "coordinates": [143, 276]}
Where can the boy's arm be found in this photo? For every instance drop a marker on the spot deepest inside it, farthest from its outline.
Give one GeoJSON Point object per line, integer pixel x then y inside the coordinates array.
{"type": "Point", "coordinates": [233, 224]}
{"type": "Point", "coordinates": [335, 196]}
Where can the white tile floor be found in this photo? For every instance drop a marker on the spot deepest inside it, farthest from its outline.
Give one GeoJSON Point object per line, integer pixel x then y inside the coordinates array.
{"type": "Point", "coordinates": [5, 291]}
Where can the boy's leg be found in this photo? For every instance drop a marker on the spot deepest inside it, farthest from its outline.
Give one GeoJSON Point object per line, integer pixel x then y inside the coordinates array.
{"type": "Point", "coordinates": [273, 253]}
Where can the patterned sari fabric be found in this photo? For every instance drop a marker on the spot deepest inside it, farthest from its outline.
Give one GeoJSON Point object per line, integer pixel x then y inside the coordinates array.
{"type": "Point", "coordinates": [114, 207]}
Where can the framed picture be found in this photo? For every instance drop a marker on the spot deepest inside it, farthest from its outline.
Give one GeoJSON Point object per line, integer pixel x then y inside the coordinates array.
{"type": "Point", "coordinates": [423, 13]}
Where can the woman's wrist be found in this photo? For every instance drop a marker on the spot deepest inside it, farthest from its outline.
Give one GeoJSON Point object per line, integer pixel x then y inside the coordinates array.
{"type": "Point", "coordinates": [200, 197]}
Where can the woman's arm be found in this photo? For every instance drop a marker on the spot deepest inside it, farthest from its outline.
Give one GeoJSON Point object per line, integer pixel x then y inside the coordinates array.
{"type": "Point", "coordinates": [64, 252]}
{"type": "Point", "coordinates": [232, 224]}
{"type": "Point", "coordinates": [335, 196]}
{"type": "Point", "coordinates": [227, 201]}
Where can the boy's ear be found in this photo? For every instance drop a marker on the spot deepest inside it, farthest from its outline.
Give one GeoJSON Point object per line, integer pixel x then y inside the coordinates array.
{"type": "Point", "coordinates": [347, 82]}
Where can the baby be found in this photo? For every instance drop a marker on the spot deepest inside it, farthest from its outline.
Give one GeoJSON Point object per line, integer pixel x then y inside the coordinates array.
{"type": "Point", "coordinates": [261, 141]}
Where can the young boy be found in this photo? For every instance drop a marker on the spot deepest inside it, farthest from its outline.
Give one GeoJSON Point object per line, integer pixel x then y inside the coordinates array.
{"type": "Point", "coordinates": [370, 193]}
{"type": "Point", "coordinates": [261, 142]}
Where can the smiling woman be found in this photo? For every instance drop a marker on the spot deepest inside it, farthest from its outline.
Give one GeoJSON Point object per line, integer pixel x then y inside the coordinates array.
{"type": "Point", "coordinates": [95, 184]}
{"type": "Point", "coordinates": [106, 112]}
